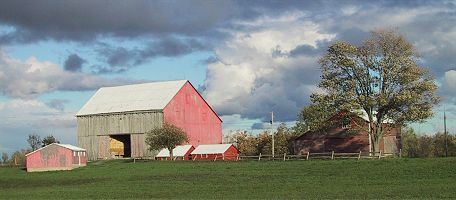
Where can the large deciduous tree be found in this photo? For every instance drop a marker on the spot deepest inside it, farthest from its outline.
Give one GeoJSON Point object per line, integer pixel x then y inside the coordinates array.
{"type": "Point", "coordinates": [380, 77]}
{"type": "Point", "coordinates": [168, 136]}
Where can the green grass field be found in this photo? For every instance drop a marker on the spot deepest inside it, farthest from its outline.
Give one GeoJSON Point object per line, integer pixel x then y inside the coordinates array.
{"type": "Point", "coordinates": [347, 179]}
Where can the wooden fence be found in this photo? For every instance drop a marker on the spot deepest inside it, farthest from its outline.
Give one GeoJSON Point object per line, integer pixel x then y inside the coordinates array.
{"type": "Point", "coordinates": [322, 156]}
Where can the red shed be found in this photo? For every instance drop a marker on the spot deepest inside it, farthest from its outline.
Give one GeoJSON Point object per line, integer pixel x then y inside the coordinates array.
{"type": "Point", "coordinates": [215, 152]}
{"type": "Point", "coordinates": [114, 121]}
{"type": "Point", "coordinates": [56, 157]}
{"type": "Point", "coordinates": [181, 152]}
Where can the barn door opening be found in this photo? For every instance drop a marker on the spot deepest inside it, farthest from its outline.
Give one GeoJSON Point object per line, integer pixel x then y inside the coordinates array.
{"type": "Point", "coordinates": [120, 145]}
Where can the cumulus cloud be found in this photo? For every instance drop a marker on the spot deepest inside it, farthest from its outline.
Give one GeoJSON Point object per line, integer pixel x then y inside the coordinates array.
{"type": "Point", "coordinates": [251, 79]}
{"type": "Point", "coordinates": [448, 87]}
{"type": "Point", "coordinates": [23, 117]}
{"type": "Point", "coordinates": [32, 77]}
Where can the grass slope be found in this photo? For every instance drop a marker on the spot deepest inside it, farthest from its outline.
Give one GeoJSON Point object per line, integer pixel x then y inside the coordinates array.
{"type": "Point", "coordinates": [348, 179]}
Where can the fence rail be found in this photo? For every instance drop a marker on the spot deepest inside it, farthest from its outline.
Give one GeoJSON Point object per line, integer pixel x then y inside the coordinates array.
{"type": "Point", "coordinates": [322, 155]}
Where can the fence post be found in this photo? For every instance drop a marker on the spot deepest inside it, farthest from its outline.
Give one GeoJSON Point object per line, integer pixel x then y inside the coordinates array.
{"type": "Point", "coordinates": [307, 158]}
{"type": "Point", "coordinates": [284, 156]}
{"type": "Point", "coordinates": [332, 155]}
{"type": "Point", "coordinates": [259, 157]}
{"type": "Point", "coordinates": [400, 153]}
{"type": "Point", "coordinates": [359, 155]}
{"type": "Point", "coordinates": [380, 154]}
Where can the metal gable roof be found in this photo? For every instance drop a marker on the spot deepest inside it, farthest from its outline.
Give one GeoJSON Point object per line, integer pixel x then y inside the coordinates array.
{"type": "Point", "coordinates": [68, 146]}
{"type": "Point", "coordinates": [146, 96]}
{"type": "Point", "coordinates": [179, 151]}
{"type": "Point", "coordinates": [211, 149]}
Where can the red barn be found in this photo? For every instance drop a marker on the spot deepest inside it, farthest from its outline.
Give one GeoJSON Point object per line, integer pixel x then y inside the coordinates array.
{"type": "Point", "coordinates": [337, 135]}
{"type": "Point", "coordinates": [215, 152]}
{"type": "Point", "coordinates": [56, 157]}
{"type": "Point", "coordinates": [114, 121]}
{"type": "Point", "coordinates": [181, 152]}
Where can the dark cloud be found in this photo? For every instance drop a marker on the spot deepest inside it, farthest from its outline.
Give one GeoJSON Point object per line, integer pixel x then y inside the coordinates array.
{"type": "Point", "coordinates": [74, 63]}
{"type": "Point", "coordinates": [120, 59]}
{"type": "Point", "coordinates": [85, 20]}
{"type": "Point", "coordinates": [260, 126]}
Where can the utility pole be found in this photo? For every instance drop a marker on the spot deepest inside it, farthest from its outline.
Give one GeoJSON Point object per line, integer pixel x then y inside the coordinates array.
{"type": "Point", "coordinates": [272, 132]}
{"type": "Point", "coordinates": [445, 132]}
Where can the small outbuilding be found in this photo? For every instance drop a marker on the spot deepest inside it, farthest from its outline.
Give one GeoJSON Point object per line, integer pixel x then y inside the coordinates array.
{"type": "Point", "coordinates": [215, 152]}
{"type": "Point", "coordinates": [56, 157]}
{"type": "Point", "coordinates": [181, 152]}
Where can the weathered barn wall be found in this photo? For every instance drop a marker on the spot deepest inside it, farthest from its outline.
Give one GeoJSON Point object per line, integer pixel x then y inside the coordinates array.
{"type": "Point", "coordinates": [94, 131]}
{"type": "Point", "coordinates": [54, 157]}
{"type": "Point", "coordinates": [189, 111]}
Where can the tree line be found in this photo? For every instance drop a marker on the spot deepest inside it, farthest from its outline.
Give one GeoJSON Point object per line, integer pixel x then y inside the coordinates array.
{"type": "Point", "coordinates": [414, 145]}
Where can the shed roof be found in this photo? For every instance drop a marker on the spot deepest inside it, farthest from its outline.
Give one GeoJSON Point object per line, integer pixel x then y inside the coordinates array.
{"type": "Point", "coordinates": [211, 148]}
{"type": "Point", "coordinates": [145, 96]}
{"type": "Point", "coordinates": [179, 151]}
{"type": "Point", "coordinates": [68, 146]}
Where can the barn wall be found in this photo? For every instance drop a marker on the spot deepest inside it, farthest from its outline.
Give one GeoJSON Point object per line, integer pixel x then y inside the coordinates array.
{"type": "Point", "coordinates": [189, 111]}
{"type": "Point", "coordinates": [390, 143]}
{"type": "Point", "coordinates": [230, 154]}
{"type": "Point", "coordinates": [94, 130]}
{"type": "Point", "coordinates": [53, 157]}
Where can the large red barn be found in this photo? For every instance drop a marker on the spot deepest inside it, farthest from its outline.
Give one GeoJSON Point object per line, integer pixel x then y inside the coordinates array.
{"type": "Point", "coordinates": [114, 121]}
{"type": "Point", "coordinates": [56, 157]}
{"type": "Point", "coordinates": [215, 152]}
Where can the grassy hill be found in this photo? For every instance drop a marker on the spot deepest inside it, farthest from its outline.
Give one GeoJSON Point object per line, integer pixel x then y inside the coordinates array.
{"type": "Point", "coordinates": [390, 178]}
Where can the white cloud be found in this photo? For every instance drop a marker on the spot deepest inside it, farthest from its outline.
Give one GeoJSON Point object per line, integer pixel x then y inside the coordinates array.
{"type": "Point", "coordinates": [32, 77]}
{"type": "Point", "coordinates": [22, 117]}
{"type": "Point", "coordinates": [255, 74]}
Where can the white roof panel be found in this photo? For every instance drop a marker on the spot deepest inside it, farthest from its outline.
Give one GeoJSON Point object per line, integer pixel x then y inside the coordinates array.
{"type": "Point", "coordinates": [145, 96]}
{"type": "Point", "coordinates": [68, 146]}
{"type": "Point", "coordinates": [211, 148]}
{"type": "Point", "coordinates": [179, 151]}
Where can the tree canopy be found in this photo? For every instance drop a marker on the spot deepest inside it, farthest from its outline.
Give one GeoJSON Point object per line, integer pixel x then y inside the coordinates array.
{"type": "Point", "coordinates": [381, 78]}
{"type": "Point", "coordinates": [168, 136]}
{"type": "Point", "coordinates": [49, 140]}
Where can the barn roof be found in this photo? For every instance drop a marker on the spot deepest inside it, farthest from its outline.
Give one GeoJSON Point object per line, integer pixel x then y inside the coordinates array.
{"type": "Point", "coordinates": [211, 148]}
{"type": "Point", "coordinates": [68, 146]}
{"type": "Point", "coordinates": [179, 151]}
{"type": "Point", "coordinates": [145, 96]}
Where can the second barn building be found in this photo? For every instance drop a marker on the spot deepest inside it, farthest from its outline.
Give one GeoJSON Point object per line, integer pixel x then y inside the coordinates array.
{"type": "Point", "coordinates": [114, 121]}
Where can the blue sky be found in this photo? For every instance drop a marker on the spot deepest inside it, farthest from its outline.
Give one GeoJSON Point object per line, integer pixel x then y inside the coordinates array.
{"type": "Point", "coordinates": [247, 58]}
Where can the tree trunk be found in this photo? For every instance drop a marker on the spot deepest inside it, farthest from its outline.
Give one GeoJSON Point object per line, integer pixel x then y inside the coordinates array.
{"type": "Point", "coordinates": [171, 154]}
{"type": "Point", "coordinates": [376, 145]}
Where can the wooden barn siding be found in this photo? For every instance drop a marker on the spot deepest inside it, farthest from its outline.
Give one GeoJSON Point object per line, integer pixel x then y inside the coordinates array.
{"type": "Point", "coordinates": [94, 131]}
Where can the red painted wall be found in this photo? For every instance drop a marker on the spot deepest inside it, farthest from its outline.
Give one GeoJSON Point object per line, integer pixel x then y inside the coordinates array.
{"type": "Point", "coordinates": [189, 111]}
{"type": "Point", "coordinates": [53, 156]}
{"type": "Point", "coordinates": [230, 154]}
